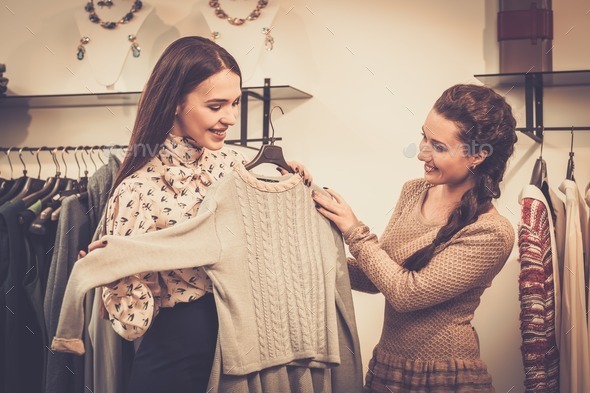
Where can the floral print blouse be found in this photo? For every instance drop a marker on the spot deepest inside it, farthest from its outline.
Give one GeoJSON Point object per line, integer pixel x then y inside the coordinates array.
{"type": "Point", "coordinates": [167, 190]}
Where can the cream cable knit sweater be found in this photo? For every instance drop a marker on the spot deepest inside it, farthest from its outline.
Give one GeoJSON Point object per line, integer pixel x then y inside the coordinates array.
{"type": "Point", "coordinates": [273, 261]}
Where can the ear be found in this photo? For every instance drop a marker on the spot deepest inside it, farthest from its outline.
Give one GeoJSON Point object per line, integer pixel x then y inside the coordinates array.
{"type": "Point", "coordinates": [480, 157]}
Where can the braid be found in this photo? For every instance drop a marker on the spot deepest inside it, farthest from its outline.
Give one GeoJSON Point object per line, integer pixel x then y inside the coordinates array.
{"type": "Point", "coordinates": [486, 118]}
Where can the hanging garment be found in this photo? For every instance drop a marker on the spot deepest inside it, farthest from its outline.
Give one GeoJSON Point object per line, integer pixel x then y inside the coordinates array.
{"type": "Point", "coordinates": [538, 285]}
{"type": "Point", "coordinates": [428, 343]}
{"type": "Point", "coordinates": [588, 258]}
{"type": "Point", "coordinates": [23, 349]}
{"type": "Point", "coordinates": [65, 372]}
{"type": "Point", "coordinates": [574, 351]}
{"type": "Point", "coordinates": [108, 357]}
{"type": "Point", "coordinates": [268, 232]}
{"type": "Point", "coordinates": [39, 251]}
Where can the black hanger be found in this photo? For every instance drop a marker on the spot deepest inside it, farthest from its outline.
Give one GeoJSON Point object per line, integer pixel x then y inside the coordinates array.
{"type": "Point", "coordinates": [570, 162]}
{"type": "Point", "coordinates": [540, 180]}
{"type": "Point", "coordinates": [31, 184]}
{"type": "Point", "coordinates": [539, 176]}
{"type": "Point", "coordinates": [271, 153]}
{"type": "Point", "coordinates": [17, 184]}
{"type": "Point", "coordinates": [49, 184]}
{"type": "Point", "coordinates": [5, 185]}
{"type": "Point", "coordinates": [59, 186]}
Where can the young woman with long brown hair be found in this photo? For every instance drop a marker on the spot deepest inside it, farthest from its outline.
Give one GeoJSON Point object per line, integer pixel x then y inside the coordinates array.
{"type": "Point", "coordinates": [444, 244]}
{"type": "Point", "coordinates": [175, 153]}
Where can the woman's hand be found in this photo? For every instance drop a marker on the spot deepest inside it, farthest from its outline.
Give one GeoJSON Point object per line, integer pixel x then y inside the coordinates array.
{"type": "Point", "coordinates": [337, 210]}
{"type": "Point", "coordinates": [94, 246]}
{"type": "Point", "coordinates": [300, 169]}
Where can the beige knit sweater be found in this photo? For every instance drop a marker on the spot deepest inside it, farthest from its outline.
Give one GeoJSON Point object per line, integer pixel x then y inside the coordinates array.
{"type": "Point", "coordinates": [274, 261]}
{"type": "Point", "coordinates": [428, 313]}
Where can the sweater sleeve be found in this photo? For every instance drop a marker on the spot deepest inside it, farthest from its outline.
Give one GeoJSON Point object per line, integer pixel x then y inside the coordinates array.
{"type": "Point", "coordinates": [470, 260]}
{"type": "Point", "coordinates": [193, 243]}
{"type": "Point", "coordinates": [134, 301]}
{"type": "Point", "coordinates": [358, 279]}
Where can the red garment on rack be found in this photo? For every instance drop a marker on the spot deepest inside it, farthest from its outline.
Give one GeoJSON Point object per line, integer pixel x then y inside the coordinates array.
{"type": "Point", "coordinates": [537, 299]}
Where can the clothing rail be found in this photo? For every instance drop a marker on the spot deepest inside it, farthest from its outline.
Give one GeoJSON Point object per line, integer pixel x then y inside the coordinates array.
{"type": "Point", "coordinates": [105, 147]}
{"type": "Point", "coordinates": [59, 148]}
{"type": "Point", "coordinates": [536, 134]}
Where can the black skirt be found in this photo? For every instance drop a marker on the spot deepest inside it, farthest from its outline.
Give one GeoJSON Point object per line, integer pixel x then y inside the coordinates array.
{"type": "Point", "coordinates": [177, 351]}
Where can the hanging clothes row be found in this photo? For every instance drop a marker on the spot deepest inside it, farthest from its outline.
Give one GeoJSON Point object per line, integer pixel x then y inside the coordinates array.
{"type": "Point", "coordinates": [43, 225]}
{"type": "Point", "coordinates": [554, 248]}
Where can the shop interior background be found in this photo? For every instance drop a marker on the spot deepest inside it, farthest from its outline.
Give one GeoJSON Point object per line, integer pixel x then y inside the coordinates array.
{"type": "Point", "coordinates": [374, 69]}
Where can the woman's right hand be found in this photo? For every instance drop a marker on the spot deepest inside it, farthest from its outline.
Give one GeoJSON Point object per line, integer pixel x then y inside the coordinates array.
{"type": "Point", "coordinates": [93, 246]}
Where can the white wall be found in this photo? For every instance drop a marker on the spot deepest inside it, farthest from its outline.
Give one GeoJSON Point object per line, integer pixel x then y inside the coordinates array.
{"type": "Point", "coordinates": [375, 68]}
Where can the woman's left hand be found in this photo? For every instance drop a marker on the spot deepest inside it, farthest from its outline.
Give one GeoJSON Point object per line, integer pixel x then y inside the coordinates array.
{"type": "Point", "coordinates": [299, 169]}
{"type": "Point", "coordinates": [337, 210]}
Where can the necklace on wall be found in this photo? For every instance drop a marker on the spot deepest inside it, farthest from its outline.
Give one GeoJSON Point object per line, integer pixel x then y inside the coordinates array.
{"type": "Point", "coordinates": [238, 21]}
{"type": "Point", "coordinates": [220, 13]}
{"type": "Point", "coordinates": [94, 18]}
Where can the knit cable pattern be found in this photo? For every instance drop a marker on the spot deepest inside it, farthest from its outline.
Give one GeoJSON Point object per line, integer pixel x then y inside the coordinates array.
{"type": "Point", "coordinates": [243, 197]}
{"type": "Point", "coordinates": [286, 276]}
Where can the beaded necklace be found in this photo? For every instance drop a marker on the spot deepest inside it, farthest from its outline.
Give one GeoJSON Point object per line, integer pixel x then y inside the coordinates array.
{"type": "Point", "coordinates": [94, 18]}
{"type": "Point", "coordinates": [238, 21]}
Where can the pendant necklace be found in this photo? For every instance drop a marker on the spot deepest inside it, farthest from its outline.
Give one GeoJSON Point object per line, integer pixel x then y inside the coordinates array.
{"type": "Point", "coordinates": [220, 13]}
{"type": "Point", "coordinates": [109, 25]}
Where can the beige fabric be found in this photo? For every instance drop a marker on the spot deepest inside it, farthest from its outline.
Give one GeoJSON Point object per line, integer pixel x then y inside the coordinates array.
{"type": "Point", "coordinates": [574, 351]}
{"type": "Point", "coordinates": [428, 313]}
{"type": "Point", "coordinates": [272, 260]}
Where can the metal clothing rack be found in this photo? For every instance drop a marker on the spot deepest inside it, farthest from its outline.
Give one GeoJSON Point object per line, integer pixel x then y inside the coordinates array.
{"type": "Point", "coordinates": [534, 84]}
{"type": "Point", "coordinates": [263, 93]}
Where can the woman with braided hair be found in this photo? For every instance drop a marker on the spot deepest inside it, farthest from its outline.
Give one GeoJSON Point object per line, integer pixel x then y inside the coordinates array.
{"type": "Point", "coordinates": [444, 244]}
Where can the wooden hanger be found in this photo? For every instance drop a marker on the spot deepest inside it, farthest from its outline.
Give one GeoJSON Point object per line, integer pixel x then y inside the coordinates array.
{"type": "Point", "coordinates": [271, 153]}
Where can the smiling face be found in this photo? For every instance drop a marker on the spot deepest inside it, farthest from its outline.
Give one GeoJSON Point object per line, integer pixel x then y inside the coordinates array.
{"type": "Point", "coordinates": [446, 158]}
{"type": "Point", "coordinates": [208, 110]}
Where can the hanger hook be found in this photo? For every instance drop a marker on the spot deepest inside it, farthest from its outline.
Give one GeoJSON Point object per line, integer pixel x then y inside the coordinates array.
{"type": "Point", "coordinates": [38, 161]}
{"type": "Point", "coordinates": [65, 150]}
{"type": "Point", "coordinates": [100, 154]}
{"type": "Point", "coordinates": [572, 141]}
{"type": "Point", "coordinates": [10, 162]}
{"type": "Point", "coordinates": [77, 162]}
{"type": "Point", "coordinates": [542, 140]}
{"type": "Point", "coordinates": [55, 162]}
{"type": "Point", "coordinates": [92, 159]}
{"type": "Point", "coordinates": [84, 150]}
{"type": "Point", "coordinates": [20, 157]}
{"type": "Point", "coordinates": [272, 138]}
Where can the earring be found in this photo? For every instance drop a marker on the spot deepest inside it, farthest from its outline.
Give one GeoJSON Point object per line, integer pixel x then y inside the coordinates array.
{"type": "Point", "coordinates": [215, 36]}
{"type": "Point", "coordinates": [134, 46]}
{"type": "Point", "coordinates": [268, 39]}
{"type": "Point", "coordinates": [82, 48]}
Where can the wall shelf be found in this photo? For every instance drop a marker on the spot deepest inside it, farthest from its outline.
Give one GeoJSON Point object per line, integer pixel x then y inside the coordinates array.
{"type": "Point", "coordinates": [534, 83]}
{"type": "Point", "coordinates": [264, 93]}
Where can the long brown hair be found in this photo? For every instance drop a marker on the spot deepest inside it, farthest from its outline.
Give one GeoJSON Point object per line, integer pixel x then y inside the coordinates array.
{"type": "Point", "coordinates": [184, 64]}
{"type": "Point", "coordinates": [484, 119]}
